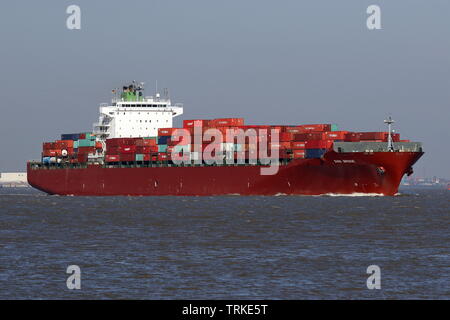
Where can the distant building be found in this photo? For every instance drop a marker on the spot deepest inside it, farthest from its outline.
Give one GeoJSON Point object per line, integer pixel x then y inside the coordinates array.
{"type": "Point", "coordinates": [13, 179]}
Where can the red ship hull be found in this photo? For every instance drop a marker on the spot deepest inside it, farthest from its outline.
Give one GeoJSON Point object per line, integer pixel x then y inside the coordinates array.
{"type": "Point", "coordinates": [335, 173]}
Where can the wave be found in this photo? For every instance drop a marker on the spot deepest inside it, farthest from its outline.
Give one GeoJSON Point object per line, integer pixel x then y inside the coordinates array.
{"type": "Point", "coordinates": [355, 194]}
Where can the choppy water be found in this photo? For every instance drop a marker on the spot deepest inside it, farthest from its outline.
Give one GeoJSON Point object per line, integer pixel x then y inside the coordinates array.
{"type": "Point", "coordinates": [230, 247]}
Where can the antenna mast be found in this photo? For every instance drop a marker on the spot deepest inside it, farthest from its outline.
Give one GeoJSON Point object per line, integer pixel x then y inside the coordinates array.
{"type": "Point", "coordinates": [389, 121]}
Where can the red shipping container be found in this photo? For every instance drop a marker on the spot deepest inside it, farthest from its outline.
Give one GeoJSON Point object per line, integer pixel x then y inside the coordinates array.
{"type": "Point", "coordinates": [351, 137]}
{"type": "Point", "coordinates": [146, 149]}
{"type": "Point", "coordinates": [283, 154]}
{"type": "Point", "coordinates": [63, 144]}
{"type": "Point", "coordinates": [162, 156]}
{"type": "Point", "coordinates": [129, 157]}
{"type": "Point", "coordinates": [51, 153]}
{"type": "Point", "coordinates": [48, 146]}
{"type": "Point", "coordinates": [316, 127]}
{"type": "Point", "coordinates": [319, 144]}
{"type": "Point", "coordinates": [227, 122]}
{"type": "Point", "coordinates": [82, 158]}
{"type": "Point", "coordinates": [195, 123]}
{"type": "Point", "coordinates": [112, 158]}
{"type": "Point", "coordinates": [335, 135]}
{"type": "Point", "coordinates": [286, 136]}
{"type": "Point", "coordinates": [145, 142]}
{"type": "Point", "coordinates": [298, 144]}
{"type": "Point", "coordinates": [298, 154]}
{"type": "Point", "coordinates": [294, 129]}
{"type": "Point", "coordinates": [372, 135]}
{"type": "Point", "coordinates": [308, 136]}
{"type": "Point", "coordinates": [86, 150]}
{"type": "Point", "coordinates": [116, 142]}
{"type": "Point", "coordinates": [279, 145]}
{"type": "Point", "coordinates": [166, 131]}
{"type": "Point", "coordinates": [112, 150]}
{"type": "Point", "coordinates": [127, 149]}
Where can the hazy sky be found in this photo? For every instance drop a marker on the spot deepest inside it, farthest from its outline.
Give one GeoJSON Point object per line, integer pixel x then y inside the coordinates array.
{"type": "Point", "coordinates": [283, 62]}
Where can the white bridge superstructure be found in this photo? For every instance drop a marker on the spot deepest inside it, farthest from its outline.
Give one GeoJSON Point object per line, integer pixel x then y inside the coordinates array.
{"type": "Point", "coordinates": [131, 115]}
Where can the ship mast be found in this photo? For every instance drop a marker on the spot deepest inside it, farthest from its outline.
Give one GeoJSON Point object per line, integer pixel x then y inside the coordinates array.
{"type": "Point", "coordinates": [389, 121]}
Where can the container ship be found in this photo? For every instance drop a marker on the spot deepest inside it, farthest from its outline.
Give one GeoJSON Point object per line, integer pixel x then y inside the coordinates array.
{"type": "Point", "coordinates": [134, 150]}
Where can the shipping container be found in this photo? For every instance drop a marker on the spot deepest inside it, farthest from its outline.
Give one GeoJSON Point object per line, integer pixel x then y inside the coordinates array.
{"type": "Point", "coordinates": [318, 144]}
{"type": "Point", "coordinates": [163, 140]}
{"type": "Point", "coordinates": [127, 157]}
{"type": "Point", "coordinates": [116, 142]}
{"type": "Point", "coordinates": [166, 131]}
{"type": "Point", "coordinates": [298, 144]}
{"type": "Point", "coordinates": [162, 147]}
{"type": "Point", "coordinates": [86, 143]}
{"type": "Point", "coordinates": [226, 122]}
{"type": "Point", "coordinates": [48, 146]}
{"type": "Point", "coordinates": [112, 158]}
{"type": "Point", "coordinates": [146, 142]}
{"type": "Point", "coordinates": [63, 144]}
{"type": "Point", "coordinates": [163, 156]}
{"type": "Point", "coordinates": [298, 154]}
{"type": "Point", "coordinates": [314, 153]}
{"type": "Point", "coordinates": [86, 150]}
{"type": "Point", "coordinates": [195, 123]}
{"type": "Point", "coordinates": [70, 136]}
{"type": "Point", "coordinates": [308, 136]}
{"type": "Point", "coordinates": [127, 149]}
{"type": "Point", "coordinates": [51, 153]}
{"type": "Point", "coordinates": [286, 136]}
{"type": "Point", "coordinates": [82, 157]}
{"type": "Point", "coordinates": [316, 127]}
{"type": "Point", "coordinates": [372, 135]}
{"type": "Point", "coordinates": [335, 135]}
{"type": "Point", "coordinates": [146, 149]}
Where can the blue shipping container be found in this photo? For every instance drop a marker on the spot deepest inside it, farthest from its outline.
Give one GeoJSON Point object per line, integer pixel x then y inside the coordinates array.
{"type": "Point", "coordinates": [163, 139]}
{"type": "Point", "coordinates": [315, 153]}
{"type": "Point", "coordinates": [70, 136]}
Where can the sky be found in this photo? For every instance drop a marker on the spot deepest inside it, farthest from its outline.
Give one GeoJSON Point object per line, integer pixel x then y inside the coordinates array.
{"type": "Point", "coordinates": [271, 62]}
